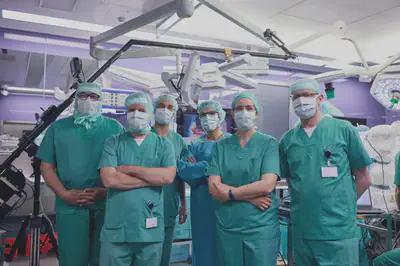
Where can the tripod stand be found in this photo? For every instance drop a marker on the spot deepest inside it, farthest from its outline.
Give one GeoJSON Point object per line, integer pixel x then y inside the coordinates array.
{"type": "Point", "coordinates": [35, 221]}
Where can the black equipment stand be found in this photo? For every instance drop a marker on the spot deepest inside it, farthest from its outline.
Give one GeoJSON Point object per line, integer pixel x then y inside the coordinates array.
{"type": "Point", "coordinates": [37, 219]}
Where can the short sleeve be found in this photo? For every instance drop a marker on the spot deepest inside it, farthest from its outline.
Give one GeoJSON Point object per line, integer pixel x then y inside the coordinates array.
{"type": "Point", "coordinates": [397, 170]}
{"type": "Point", "coordinates": [168, 155]}
{"type": "Point", "coordinates": [109, 155]}
{"type": "Point", "coordinates": [213, 168]}
{"type": "Point", "coordinates": [357, 154]}
{"type": "Point", "coordinates": [47, 150]}
{"type": "Point", "coordinates": [283, 163]}
{"type": "Point", "coordinates": [270, 160]}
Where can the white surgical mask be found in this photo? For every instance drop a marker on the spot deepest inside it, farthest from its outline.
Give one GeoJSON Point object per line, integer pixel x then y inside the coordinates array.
{"type": "Point", "coordinates": [305, 107]}
{"type": "Point", "coordinates": [138, 122]}
{"type": "Point", "coordinates": [88, 107]}
{"type": "Point", "coordinates": [209, 122]}
{"type": "Point", "coordinates": [163, 116]}
{"type": "Point", "coordinates": [245, 119]}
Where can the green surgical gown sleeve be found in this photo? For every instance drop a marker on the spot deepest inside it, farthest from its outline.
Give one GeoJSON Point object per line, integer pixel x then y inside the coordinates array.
{"type": "Point", "coordinates": [397, 170]}
{"type": "Point", "coordinates": [357, 154]}
{"type": "Point", "coordinates": [192, 173]}
{"type": "Point", "coordinates": [109, 155]}
{"type": "Point", "coordinates": [284, 167]}
{"type": "Point", "coordinates": [168, 155]}
{"type": "Point", "coordinates": [270, 160]}
{"type": "Point", "coordinates": [47, 152]}
{"type": "Point", "coordinates": [213, 168]}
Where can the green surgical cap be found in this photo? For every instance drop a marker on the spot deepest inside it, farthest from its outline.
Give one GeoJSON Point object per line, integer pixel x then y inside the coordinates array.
{"type": "Point", "coordinates": [214, 105]}
{"type": "Point", "coordinates": [305, 84]}
{"type": "Point", "coordinates": [89, 87]}
{"type": "Point", "coordinates": [166, 97]}
{"type": "Point", "coordinates": [246, 95]}
{"type": "Point", "coordinates": [140, 98]}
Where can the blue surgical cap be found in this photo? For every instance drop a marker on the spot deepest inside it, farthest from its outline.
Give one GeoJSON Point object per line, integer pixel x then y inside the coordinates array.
{"type": "Point", "coordinates": [214, 105]}
{"type": "Point", "coordinates": [166, 97]}
{"type": "Point", "coordinates": [140, 98]}
{"type": "Point", "coordinates": [246, 95]}
{"type": "Point", "coordinates": [89, 87]}
{"type": "Point", "coordinates": [305, 84]}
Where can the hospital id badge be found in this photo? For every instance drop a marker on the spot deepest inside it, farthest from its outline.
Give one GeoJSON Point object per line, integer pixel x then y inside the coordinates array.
{"type": "Point", "coordinates": [329, 171]}
{"type": "Point", "coordinates": [151, 222]}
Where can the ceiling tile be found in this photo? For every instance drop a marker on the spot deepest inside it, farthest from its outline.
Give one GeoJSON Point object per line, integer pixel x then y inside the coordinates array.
{"type": "Point", "coordinates": [329, 11]}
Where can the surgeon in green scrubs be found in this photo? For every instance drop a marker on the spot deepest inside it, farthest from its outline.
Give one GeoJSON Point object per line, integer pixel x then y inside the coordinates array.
{"type": "Point", "coordinates": [319, 158]}
{"type": "Point", "coordinates": [164, 112]}
{"type": "Point", "coordinates": [392, 258]}
{"type": "Point", "coordinates": [70, 154]}
{"type": "Point", "coordinates": [245, 166]}
{"type": "Point", "coordinates": [134, 167]}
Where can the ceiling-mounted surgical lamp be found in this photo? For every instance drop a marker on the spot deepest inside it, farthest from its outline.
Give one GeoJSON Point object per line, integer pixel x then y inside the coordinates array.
{"type": "Point", "coordinates": [386, 90]}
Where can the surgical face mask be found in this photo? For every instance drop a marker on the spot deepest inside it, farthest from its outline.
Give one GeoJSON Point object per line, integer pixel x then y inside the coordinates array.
{"type": "Point", "coordinates": [305, 107]}
{"type": "Point", "coordinates": [138, 121]}
{"type": "Point", "coordinates": [245, 119]}
{"type": "Point", "coordinates": [163, 116]}
{"type": "Point", "coordinates": [88, 107]}
{"type": "Point", "coordinates": [209, 122]}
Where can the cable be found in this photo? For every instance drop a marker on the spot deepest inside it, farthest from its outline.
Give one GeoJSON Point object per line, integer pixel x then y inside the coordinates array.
{"type": "Point", "coordinates": [283, 259]}
{"type": "Point", "coordinates": [32, 191]}
{"type": "Point", "coordinates": [383, 174]}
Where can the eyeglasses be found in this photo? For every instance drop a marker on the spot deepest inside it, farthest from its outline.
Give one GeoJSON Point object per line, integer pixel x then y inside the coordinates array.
{"type": "Point", "coordinates": [167, 106]}
{"type": "Point", "coordinates": [91, 96]}
{"type": "Point", "coordinates": [212, 113]}
{"type": "Point", "coordinates": [249, 108]}
{"type": "Point", "coordinates": [306, 95]}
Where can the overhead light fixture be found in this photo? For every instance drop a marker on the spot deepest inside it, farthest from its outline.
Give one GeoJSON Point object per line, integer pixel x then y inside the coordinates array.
{"type": "Point", "coordinates": [25, 38]}
{"type": "Point", "coordinates": [279, 73]}
{"type": "Point", "coordinates": [301, 75]}
{"type": "Point", "coordinates": [29, 90]}
{"type": "Point", "coordinates": [85, 26]}
{"type": "Point", "coordinates": [339, 80]}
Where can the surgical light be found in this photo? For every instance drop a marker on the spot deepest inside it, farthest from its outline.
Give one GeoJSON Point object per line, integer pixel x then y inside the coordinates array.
{"type": "Point", "coordinates": [386, 90]}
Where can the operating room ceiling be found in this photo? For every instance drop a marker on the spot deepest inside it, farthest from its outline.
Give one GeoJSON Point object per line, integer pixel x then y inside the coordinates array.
{"type": "Point", "coordinates": [375, 25]}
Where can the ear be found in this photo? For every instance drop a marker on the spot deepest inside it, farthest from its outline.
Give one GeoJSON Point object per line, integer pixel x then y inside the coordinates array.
{"type": "Point", "coordinates": [256, 117]}
{"type": "Point", "coordinates": [233, 115]}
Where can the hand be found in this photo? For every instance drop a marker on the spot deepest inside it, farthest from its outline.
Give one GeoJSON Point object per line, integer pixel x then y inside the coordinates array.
{"type": "Point", "coordinates": [220, 192]}
{"type": "Point", "coordinates": [97, 193]}
{"type": "Point", "coordinates": [262, 202]}
{"type": "Point", "coordinates": [182, 215]}
{"type": "Point", "coordinates": [77, 197]}
{"type": "Point", "coordinates": [191, 159]}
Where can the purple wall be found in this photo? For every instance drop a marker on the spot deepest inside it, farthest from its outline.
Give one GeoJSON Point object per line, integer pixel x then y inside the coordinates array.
{"type": "Point", "coordinates": [23, 108]}
{"type": "Point", "coordinates": [354, 100]}
{"type": "Point", "coordinates": [392, 116]}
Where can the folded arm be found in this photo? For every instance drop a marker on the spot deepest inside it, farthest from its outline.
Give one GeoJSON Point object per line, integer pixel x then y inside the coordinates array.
{"type": "Point", "coordinates": [152, 176]}
{"type": "Point", "coordinates": [114, 179]}
{"type": "Point", "coordinates": [248, 192]}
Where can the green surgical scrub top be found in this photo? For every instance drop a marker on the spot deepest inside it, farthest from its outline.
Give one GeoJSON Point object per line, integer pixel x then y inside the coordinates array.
{"type": "Point", "coordinates": [323, 208]}
{"type": "Point", "coordinates": [397, 170]}
{"type": "Point", "coordinates": [76, 151]}
{"type": "Point", "coordinates": [171, 191]}
{"type": "Point", "coordinates": [237, 167]}
{"type": "Point", "coordinates": [127, 210]}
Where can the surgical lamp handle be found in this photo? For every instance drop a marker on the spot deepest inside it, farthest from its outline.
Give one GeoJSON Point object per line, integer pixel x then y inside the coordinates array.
{"type": "Point", "coordinates": [51, 114]}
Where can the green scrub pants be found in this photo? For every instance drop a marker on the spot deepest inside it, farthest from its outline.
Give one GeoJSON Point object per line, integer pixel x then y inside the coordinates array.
{"type": "Point", "coordinates": [167, 246]}
{"type": "Point", "coordinates": [73, 238]}
{"type": "Point", "coordinates": [237, 252]}
{"type": "Point", "coordinates": [127, 254]}
{"type": "Point", "coordinates": [391, 258]}
{"type": "Point", "coordinates": [326, 253]}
